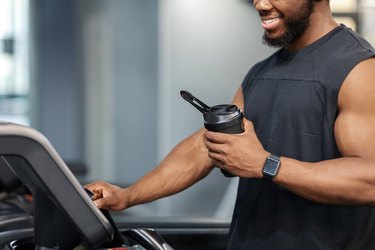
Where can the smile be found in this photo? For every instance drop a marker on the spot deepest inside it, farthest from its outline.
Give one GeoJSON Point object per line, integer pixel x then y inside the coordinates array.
{"type": "Point", "coordinates": [270, 23]}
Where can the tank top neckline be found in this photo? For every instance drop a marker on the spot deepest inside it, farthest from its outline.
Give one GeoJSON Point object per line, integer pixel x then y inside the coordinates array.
{"type": "Point", "coordinates": [285, 54]}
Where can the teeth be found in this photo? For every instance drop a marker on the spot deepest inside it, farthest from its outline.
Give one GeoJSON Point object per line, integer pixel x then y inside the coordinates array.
{"type": "Point", "coordinates": [270, 20]}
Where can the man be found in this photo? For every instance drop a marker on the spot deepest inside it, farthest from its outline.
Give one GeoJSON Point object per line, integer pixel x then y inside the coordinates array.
{"type": "Point", "coordinates": [306, 160]}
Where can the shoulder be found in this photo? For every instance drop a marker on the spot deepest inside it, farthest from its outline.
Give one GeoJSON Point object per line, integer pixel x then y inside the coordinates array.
{"type": "Point", "coordinates": [363, 43]}
{"type": "Point", "coordinates": [358, 89]}
{"type": "Point", "coordinates": [344, 39]}
{"type": "Point", "coordinates": [337, 58]}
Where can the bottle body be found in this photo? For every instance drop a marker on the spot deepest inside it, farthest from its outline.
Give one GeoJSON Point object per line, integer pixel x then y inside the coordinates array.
{"type": "Point", "coordinates": [224, 118]}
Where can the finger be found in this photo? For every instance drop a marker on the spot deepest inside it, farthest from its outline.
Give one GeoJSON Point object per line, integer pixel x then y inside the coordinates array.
{"type": "Point", "coordinates": [248, 125]}
{"type": "Point", "coordinates": [94, 185]}
{"type": "Point", "coordinates": [220, 165]}
{"type": "Point", "coordinates": [97, 193]}
{"type": "Point", "coordinates": [215, 137]}
{"type": "Point", "coordinates": [89, 186]}
{"type": "Point", "coordinates": [214, 147]}
{"type": "Point", "coordinates": [100, 203]}
{"type": "Point", "coordinates": [108, 203]}
{"type": "Point", "coordinates": [218, 158]}
{"type": "Point", "coordinates": [95, 189]}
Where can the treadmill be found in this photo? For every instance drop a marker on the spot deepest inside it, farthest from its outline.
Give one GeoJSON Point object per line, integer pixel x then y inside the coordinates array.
{"type": "Point", "coordinates": [15, 208]}
{"type": "Point", "coordinates": [64, 216]}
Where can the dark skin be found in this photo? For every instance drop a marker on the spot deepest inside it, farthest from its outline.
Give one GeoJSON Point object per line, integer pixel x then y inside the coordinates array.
{"type": "Point", "coordinates": [349, 180]}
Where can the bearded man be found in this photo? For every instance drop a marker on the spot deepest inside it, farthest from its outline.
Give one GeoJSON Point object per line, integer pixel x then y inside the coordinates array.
{"type": "Point", "coordinates": [306, 160]}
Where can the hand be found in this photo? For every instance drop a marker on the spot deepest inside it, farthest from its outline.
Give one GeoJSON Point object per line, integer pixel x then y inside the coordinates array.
{"type": "Point", "coordinates": [107, 196]}
{"type": "Point", "coordinates": [240, 154]}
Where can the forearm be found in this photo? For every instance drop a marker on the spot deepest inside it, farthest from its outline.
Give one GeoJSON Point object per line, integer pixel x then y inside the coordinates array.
{"type": "Point", "coordinates": [186, 164]}
{"type": "Point", "coordinates": [342, 181]}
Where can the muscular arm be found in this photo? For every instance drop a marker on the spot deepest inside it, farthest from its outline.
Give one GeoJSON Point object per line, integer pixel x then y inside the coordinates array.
{"type": "Point", "coordinates": [350, 179]}
{"type": "Point", "coordinates": [186, 164]}
{"type": "Point", "coordinates": [346, 180]}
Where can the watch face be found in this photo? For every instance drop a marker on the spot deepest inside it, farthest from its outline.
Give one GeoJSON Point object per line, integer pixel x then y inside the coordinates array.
{"type": "Point", "coordinates": [271, 167]}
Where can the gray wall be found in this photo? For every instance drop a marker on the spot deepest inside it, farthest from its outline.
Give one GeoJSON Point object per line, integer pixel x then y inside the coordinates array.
{"type": "Point", "coordinates": [136, 85]}
{"type": "Point", "coordinates": [206, 47]}
{"type": "Point", "coordinates": [110, 73]}
{"type": "Point", "coordinates": [120, 49]}
{"type": "Point", "coordinates": [59, 92]}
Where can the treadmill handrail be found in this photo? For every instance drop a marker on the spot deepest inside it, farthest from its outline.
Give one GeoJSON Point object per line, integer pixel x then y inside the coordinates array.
{"type": "Point", "coordinates": [6, 237]}
{"type": "Point", "coordinates": [14, 221]}
{"type": "Point", "coordinates": [32, 146]}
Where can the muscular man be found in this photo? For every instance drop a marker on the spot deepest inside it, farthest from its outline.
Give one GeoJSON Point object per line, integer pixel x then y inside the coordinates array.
{"type": "Point", "coordinates": [312, 106]}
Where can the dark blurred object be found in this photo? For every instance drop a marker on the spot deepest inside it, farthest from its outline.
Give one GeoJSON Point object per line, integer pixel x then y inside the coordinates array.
{"type": "Point", "coordinates": [15, 208]}
{"type": "Point", "coordinates": [8, 45]}
{"type": "Point", "coordinates": [9, 182]}
{"type": "Point", "coordinates": [181, 232]}
{"type": "Point", "coordinates": [78, 168]}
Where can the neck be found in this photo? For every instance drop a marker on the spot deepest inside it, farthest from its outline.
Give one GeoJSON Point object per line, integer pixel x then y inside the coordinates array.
{"type": "Point", "coordinates": [321, 23]}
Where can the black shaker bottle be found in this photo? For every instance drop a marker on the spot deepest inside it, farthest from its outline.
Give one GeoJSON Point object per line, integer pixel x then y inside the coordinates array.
{"type": "Point", "coordinates": [223, 118]}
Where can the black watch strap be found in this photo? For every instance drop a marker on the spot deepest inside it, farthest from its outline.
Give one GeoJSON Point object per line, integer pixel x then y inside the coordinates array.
{"type": "Point", "coordinates": [271, 167]}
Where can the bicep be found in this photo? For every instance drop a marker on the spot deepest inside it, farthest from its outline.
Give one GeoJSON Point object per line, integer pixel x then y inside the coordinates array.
{"type": "Point", "coordinates": [355, 124]}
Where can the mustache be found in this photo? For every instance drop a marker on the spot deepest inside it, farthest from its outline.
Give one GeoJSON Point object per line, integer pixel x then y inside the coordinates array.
{"type": "Point", "coordinates": [263, 13]}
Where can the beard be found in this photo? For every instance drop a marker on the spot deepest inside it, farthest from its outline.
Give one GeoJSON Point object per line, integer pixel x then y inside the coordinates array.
{"type": "Point", "coordinates": [295, 26]}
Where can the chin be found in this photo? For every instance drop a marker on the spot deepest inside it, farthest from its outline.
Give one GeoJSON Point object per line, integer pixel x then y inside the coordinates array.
{"type": "Point", "coordinates": [274, 34]}
{"type": "Point", "coordinates": [273, 37]}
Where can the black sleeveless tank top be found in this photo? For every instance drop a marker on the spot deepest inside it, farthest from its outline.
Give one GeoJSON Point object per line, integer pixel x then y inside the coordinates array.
{"type": "Point", "coordinates": [292, 100]}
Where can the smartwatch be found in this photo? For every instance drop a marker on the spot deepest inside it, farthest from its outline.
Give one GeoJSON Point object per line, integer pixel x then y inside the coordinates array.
{"type": "Point", "coordinates": [271, 167]}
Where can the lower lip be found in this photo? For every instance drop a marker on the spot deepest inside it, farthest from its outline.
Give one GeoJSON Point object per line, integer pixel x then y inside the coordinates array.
{"type": "Point", "coordinates": [270, 26]}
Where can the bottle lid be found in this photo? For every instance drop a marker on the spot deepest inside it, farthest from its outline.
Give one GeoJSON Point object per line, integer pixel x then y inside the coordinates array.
{"type": "Point", "coordinates": [224, 113]}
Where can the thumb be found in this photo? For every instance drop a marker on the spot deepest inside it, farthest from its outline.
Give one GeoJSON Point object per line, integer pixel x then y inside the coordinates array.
{"type": "Point", "coordinates": [248, 125]}
{"type": "Point", "coordinates": [100, 203]}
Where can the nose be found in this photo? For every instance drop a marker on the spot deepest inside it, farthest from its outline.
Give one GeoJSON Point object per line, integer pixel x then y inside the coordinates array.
{"type": "Point", "coordinates": [262, 5]}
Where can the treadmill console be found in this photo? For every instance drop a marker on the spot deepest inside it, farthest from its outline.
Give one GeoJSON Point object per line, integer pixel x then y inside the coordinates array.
{"type": "Point", "coordinates": [64, 215]}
